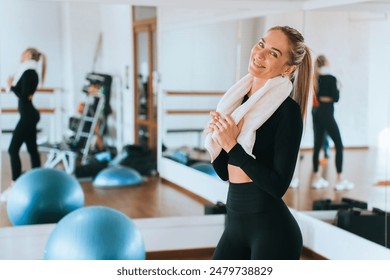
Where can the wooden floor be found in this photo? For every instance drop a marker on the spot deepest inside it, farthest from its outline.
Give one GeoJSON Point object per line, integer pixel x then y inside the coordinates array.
{"type": "Point", "coordinates": [159, 198]}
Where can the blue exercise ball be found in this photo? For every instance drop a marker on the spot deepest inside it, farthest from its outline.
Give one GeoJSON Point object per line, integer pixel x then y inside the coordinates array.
{"type": "Point", "coordinates": [205, 167]}
{"type": "Point", "coordinates": [43, 195]}
{"type": "Point", "coordinates": [117, 176]}
{"type": "Point", "coordinates": [95, 233]}
{"type": "Point", "coordinates": [178, 156]}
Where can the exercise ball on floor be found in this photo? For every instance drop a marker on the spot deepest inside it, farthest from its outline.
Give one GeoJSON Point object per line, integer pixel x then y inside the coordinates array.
{"type": "Point", "coordinates": [43, 195]}
{"type": "Point", "coordinates": [95, 233]}
{"type": "Point", "coordinates": [117, 176]}
{"type": "Point", "coordinates": [205, 167]}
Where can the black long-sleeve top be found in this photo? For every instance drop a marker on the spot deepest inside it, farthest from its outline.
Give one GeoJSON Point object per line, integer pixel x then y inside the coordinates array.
{"type": "Point", "coordinates": [327, 86]}
{"type": "Point", "coordinates": [276, 149]}
{"type": "Point", "coordinates": [24, 88]}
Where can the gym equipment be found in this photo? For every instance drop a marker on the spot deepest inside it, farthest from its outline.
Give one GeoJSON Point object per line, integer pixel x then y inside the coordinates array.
{"type": "Point", "coordinates": [137, 157]}
{"type": "Point", "coordinates": [117, 176]}
{"type": "Point", "coordinates": [218, 208]}
{"type": "Point", "coordinates": [95, 233]}
{"type": "Point", "coordinates": [373, 225]}
{"type": "Point", "coordinates": [97, 108]}
{"type": "Point", "coordinates": [345, 203]}
{"type": "Point", "coordinates": [86, 128]}
{"type": "Point", "coordinates": [205, 167]}
{"type": "Point", "coordinates": [43, 195]}
{"type": "Point", "coordinates": [178, 156]}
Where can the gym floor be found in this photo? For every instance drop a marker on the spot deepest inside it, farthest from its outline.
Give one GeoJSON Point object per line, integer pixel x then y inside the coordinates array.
{"type": "Point", "coordinates": [159, 198]}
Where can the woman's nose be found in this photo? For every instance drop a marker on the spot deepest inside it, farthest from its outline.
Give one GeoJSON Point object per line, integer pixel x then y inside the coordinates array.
{"type": "Point", "coordinates": [260, 54]}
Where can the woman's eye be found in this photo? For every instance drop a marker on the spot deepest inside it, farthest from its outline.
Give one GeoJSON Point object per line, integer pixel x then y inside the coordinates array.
{"type": "Point", "coordinates": [260, 44]}
{"type": "Point", "coordinates": [274, 54]}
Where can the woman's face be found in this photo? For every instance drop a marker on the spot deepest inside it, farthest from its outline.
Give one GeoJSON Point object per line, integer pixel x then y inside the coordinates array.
{"type": "Point", "coordinates": [269, 57]}
{"type": "Point", "coordinates": [26, 55]}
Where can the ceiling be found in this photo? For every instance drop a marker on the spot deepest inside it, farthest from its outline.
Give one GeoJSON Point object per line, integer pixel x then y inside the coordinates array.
{"type": "Point", "coordinates": [266, 5]}
{"type": "Point", "coordinates": [214, 10]}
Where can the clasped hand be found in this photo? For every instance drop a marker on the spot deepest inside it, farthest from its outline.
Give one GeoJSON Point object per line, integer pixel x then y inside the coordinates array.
{"type": "Point", "coordinates": [10, 80]}
{"type": "Point", "coordinates": [225, 130]}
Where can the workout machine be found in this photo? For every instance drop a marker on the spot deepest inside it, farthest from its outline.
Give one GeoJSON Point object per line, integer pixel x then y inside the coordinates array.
{"type": "Point", "coordinates": [95, 111]}
{"type": "Point", "coordinates": [372, 224]}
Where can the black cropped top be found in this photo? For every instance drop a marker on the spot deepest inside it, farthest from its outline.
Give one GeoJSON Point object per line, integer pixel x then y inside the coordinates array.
{"type": "Point", "coordinates": [24, 89]}
{"type": "Point", "coordinates": [327, 86]}
{"type": "Point", "coordinates": [276, 149]}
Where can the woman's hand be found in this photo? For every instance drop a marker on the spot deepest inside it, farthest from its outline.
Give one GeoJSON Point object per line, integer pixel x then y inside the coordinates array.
{"type": "Point", "coordinates": [10, 81]}
{"type": "Point", "coordinates": [211, 124]}
{"type": "Point", "coordinates": [226, 132]}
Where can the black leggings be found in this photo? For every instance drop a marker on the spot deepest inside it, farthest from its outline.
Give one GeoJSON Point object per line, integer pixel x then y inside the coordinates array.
{"type": "Point", "coordinates": [258, 227]}
{"type": "Point", "coordinates": [326, 123]}
{"type": "Point", "coordinates": [25, 132]}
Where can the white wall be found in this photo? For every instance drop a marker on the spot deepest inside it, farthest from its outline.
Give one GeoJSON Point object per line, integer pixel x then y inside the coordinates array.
{"type": "Point", "coordinates": [117, 55]}
{"type": "Point", "coordinates": [82, 22]}
{"type": "Point", "coordinates": [379, 82]}
{"type": "Point", "coordinates": [24, 24]}
{"type": "Point", "coordinates": [192, 59]}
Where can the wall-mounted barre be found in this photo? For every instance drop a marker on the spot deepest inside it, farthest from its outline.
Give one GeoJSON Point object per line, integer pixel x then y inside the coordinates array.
{"type": "Point", "coordinates": [40, 90]}
{"type": "Point", "coordinates": [43, 110]}
{"type": "Point", "coordinates": [50, 105]}
{"type": "Point", "coordinates": [188, 112]}
{"type": "Point", "coordinates": [194, 92]}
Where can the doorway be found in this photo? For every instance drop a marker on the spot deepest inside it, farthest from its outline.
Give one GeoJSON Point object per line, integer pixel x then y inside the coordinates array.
{"type": "Point", "coordinates": [145, 67]}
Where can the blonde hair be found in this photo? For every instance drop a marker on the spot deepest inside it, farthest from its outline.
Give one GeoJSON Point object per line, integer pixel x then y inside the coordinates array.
{"type": "Point", "coordinates": [320, 62]}
{"type": "Point", "coordinates": [37, 55]}
{"type": "Point", "coordinates": [299, 55]}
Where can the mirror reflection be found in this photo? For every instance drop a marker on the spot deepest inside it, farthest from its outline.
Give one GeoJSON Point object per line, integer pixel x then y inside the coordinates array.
{"type": "Point", "coordinates": [168, 74]}
{"type": "Point", "coordinates": [354, 47]}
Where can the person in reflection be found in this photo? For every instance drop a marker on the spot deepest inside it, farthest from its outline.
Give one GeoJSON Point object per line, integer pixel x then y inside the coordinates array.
{"type": "Point", "coordinates": [326, 145]}
{"type": "Point", "coordinates": [24, 84]}
{"type": "Point", "coordinates": [327, 92]}
{"type": "Point", "coordinates": [253, 139]}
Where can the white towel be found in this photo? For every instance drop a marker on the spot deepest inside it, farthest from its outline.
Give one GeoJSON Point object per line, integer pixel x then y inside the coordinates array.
{"type": "Point", "coordinates": [255, 111]}
{"type": "Point", "coordinates": [28, 64]}
{"type": "Point", "coordinates": [23, 67]}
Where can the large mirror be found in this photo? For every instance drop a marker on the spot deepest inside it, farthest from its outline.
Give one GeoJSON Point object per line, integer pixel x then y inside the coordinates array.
{"type": "Point", "coordinates": [201, 52]}
{"type": "Point", "coordinates": [350, 36]}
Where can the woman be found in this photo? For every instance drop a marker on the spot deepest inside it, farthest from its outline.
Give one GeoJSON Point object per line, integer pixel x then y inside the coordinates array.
{"type": "Point", "coordinates": [326, 145]}
{"type": "Point", "coordinates": [327, 93]}
{"type": "Point", "coordinates": [258, 158]}
{"type": "Point", "coordinates": [24, 84]}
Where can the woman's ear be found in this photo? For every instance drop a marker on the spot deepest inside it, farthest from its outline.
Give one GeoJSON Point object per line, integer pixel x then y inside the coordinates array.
{"type": "Point", "coordinates": [289, 69]}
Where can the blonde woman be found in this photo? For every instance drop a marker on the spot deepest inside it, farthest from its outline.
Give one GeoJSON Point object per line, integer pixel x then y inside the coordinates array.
{"type": "Point", "coordinates": [253, 138]}
{"type": "Point", "coordinates": [327, 93]}
{"type": "Point", "coordinates": [24, 84]}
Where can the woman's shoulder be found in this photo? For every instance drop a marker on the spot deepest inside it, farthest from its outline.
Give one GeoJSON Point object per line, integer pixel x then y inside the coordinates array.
{"type": "Point", "coordinates": [289, 110]}
{"type": "Point", "coordinates": [327, 77]}
{"type": "Point", "coordinates": [30, 76]}
{"type": "Point", "coordinates": [288, 114]}
{"type": "Point", "coordinates": [30, 72]}
{"type": "Point", "coordinates": [290, 106]}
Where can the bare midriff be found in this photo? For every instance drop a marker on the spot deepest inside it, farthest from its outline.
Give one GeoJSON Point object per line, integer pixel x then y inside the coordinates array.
{"type": "Point", "coordinates": [237, 175]}
{"type": "Point", "coordinates": [326, 99]}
